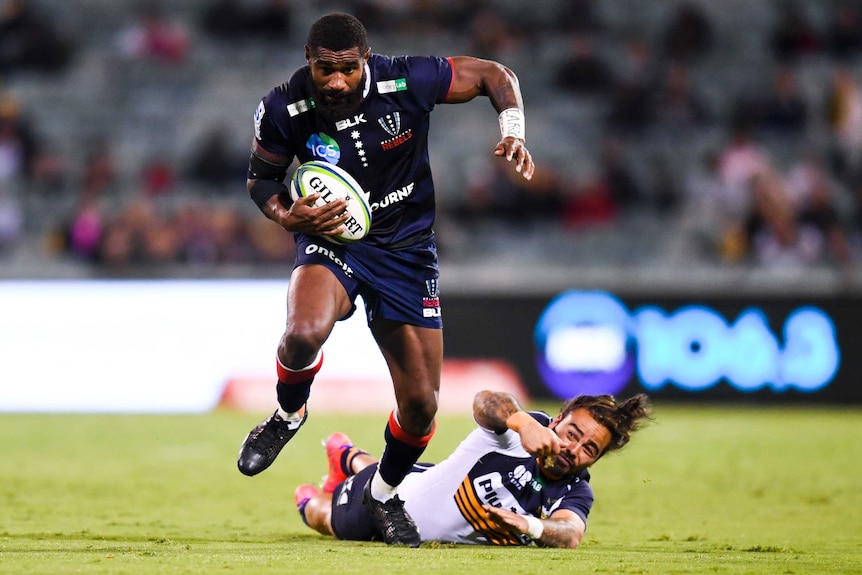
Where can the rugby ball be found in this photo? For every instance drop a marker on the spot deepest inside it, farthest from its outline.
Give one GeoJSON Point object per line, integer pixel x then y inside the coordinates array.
{"type": "Point", "coordinates": [332, 182]}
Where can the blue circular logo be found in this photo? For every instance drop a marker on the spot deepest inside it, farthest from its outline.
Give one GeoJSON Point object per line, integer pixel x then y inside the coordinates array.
{"type": "Point", "coordinates": [585, 344]}
{"type": "Point", "coordinates": [324, 147]}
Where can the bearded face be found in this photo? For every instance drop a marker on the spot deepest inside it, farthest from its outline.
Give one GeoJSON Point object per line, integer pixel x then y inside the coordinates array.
{"type": "Point", "coordinates": [338, 79]}
{"type": "Point", "coordinates": [337, 105]}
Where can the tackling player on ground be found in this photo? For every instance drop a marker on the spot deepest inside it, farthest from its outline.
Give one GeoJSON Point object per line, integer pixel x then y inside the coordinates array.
{"type": "Point", "coordinates": [520, 477]}
{"type": "Point", "coordinates": [369, 114]}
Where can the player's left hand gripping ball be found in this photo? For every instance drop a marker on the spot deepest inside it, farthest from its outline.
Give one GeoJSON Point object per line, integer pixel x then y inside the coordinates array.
{"type": "Point", "coordinates": [332, 182]}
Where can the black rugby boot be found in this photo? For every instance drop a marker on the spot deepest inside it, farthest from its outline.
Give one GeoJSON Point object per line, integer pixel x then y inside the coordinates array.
{"type": "Point", "coordinates": [263, 444]}
{"type": "Point", "coordinates": [396, 524]}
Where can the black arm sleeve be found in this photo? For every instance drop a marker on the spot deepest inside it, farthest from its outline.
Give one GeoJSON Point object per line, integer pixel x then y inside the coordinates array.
{"type": "Point", "coordinates": [268, 180]}
{"type": "Point", "coordinates": [262, 190]}
{"type": "Point", "coordinates": [260, 169]}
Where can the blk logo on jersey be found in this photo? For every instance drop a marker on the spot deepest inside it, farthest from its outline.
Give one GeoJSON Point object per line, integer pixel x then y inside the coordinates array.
{"type": "Point", "coordinates": [431, 303]}
{"type": "Point", "coordinates": [350, 122]}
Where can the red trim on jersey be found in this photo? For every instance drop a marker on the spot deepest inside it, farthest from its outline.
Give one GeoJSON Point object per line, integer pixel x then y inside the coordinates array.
{"type": "Point", "coordinates": [405, 437]}
{"type": "Point", "coordinates": [451, 80]}
{"type": "Point", "coordinates": [289, 376]}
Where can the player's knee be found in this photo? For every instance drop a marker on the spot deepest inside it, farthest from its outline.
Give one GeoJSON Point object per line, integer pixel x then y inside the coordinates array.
{"type": "Point", "coordinates": [416, 414]}
{"type": "Point", "coordinates": [297, 348]}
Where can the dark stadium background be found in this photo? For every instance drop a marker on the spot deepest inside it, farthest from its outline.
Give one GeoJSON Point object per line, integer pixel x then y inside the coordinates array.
{"type": "Point", "coordinates": [103, 177]}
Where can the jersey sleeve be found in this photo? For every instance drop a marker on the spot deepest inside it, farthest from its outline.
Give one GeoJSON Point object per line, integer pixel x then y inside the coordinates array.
{"type": "Point", "coordinates": [579, 500]}
{"type": "Point", "coordinates": [541, 417]}
{"type": "Point", "coordinates": [433, 76]}
{"type": "Point", "coordinates": [271, 119]}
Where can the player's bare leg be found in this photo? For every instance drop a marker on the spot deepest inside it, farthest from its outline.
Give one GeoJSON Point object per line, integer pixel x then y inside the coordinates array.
{"type": "Point", "coordinates": [315, 508]}
{"type": "Point", "coordinates": [414, 356]}
{"type": "Point", "coordinates": [315, 300]}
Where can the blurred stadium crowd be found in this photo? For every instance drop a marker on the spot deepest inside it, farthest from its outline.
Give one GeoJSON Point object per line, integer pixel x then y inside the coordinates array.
{"type": "Point", "coordinates": [669, 135]}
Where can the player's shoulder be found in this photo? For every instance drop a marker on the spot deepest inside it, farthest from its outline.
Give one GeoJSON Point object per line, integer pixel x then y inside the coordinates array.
{"type": "Point", "coordinates": [571, 486]}
{"type": "Point", "coordinates": [296, 86]}
{"type": "Point", "coordinates": [300, 77]}
{"type": "Point", "coordinates": [424, 80]}
{"type": "Point", "coordinates": [541, 417]}
{"type": "Point", "coordinates": [289, 98]}
{"type": "Point", "coordinates": [386, 65]}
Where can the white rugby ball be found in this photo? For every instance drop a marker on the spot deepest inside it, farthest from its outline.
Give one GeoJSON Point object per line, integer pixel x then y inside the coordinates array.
{"type": "Point", "coordinates": [332, 182]}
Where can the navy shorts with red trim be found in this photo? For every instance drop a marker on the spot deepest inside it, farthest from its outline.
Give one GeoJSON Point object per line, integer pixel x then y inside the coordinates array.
{"type": "Point", "coordinates": [399, 285]}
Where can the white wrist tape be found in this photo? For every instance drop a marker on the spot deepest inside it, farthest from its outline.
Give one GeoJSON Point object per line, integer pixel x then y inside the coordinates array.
{"type": "Point", "coordinates": [512, 123]}
{"type": "Point", "coordinates": [536, 527]}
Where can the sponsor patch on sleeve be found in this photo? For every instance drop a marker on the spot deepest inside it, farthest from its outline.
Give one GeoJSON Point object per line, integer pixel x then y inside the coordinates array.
{"type": "Point", "coordinates": [258, 118]}
{"type": "Point", "coordinates": [297, 108]}
{"type": "Point", "coordinates": [388, 86]}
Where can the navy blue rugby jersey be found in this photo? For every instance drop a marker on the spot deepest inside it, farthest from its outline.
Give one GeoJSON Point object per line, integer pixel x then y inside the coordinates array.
{"type": "Point", "coordinates": [384, 144]}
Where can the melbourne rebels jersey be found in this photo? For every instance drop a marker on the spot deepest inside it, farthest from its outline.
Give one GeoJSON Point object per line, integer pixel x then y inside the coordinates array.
{"type": "Point", "coordinates": [446, 500]}
{"type": "Point", "coordinates": [383, 144]}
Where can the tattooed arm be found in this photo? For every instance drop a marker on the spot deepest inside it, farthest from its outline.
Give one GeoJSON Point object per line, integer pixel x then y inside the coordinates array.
{"type": "Point", "coordinates": [563, 528]}
{"type": "Point", "coordinates": [498, 411]}
{"type": "Point", "coordinates": [491, 409]}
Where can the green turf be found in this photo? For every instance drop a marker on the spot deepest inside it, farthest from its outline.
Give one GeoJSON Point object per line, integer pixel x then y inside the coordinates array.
{"type": "Point", "coordinates": [702, 490]}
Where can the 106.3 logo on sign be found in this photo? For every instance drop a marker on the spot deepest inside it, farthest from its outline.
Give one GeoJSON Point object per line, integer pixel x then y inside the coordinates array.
{"type": "Point", "coordinates": [588, 342]}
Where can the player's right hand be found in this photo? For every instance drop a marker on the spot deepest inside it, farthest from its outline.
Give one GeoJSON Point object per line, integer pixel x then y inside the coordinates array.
{"type": "Point", "coordinates": [515, 149]}
{"type": "Point", "coordinates": [540, 441]}
{"type": "Point", "coordinates": [326, 220]}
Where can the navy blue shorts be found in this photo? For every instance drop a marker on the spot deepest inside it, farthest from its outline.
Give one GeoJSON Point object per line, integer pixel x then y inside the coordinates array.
{"type": "Point", "coordinates": [350, 519]}
{"type": "Point", "coordinates": [399, 285]}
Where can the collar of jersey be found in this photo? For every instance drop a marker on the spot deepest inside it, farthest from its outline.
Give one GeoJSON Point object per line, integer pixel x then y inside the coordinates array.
{"type": "Point", "coordinates": [367, 87]}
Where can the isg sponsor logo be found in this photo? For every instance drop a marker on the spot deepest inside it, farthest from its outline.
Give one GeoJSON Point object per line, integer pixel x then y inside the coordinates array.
{"type": "Point", "coordinates": [323, 147]}
{"type": "Point", "coordinates": [589, 342]}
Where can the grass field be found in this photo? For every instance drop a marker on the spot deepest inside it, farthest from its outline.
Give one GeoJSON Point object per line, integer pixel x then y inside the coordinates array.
{"type": "Point", "coordinates": [702, 490]}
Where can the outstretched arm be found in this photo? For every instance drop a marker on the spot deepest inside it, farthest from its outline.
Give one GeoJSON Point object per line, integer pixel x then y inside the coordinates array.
{"type": "Point", "coordinates": [499, 411]}
{"type": "Point", "coordinates": [491, 409]}
{"type": "Point", "coordinates": [472, 77]}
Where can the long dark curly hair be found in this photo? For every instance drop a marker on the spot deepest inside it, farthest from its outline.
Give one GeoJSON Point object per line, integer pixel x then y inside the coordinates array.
{"type": "Point", "coordinates": [621, 418]}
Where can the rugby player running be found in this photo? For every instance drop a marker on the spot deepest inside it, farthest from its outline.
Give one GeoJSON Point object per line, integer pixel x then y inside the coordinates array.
{"type": "Point", "coordinates": [369, 114]}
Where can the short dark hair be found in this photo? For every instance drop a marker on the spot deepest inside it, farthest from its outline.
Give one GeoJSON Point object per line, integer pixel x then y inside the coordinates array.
{"type": "Point", "coordinates": [337, 32]}
{"type": "Point", "coordinates": [621, 419]}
